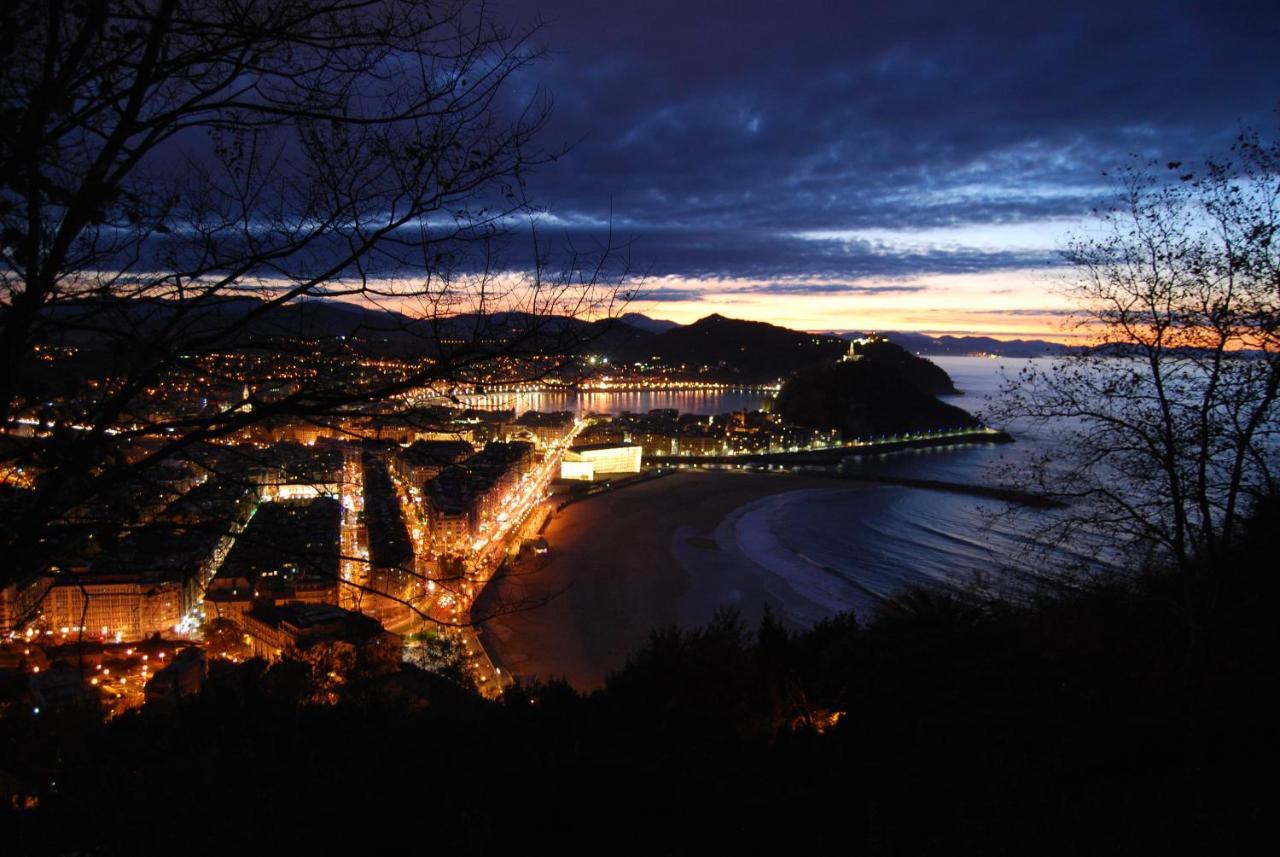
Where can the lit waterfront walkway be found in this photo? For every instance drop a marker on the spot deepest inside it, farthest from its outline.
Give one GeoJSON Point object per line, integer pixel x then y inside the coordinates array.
{"type": "Point", "coordinates": [446, 604]}
{"type": "Point", "coordinates": [833, 453]}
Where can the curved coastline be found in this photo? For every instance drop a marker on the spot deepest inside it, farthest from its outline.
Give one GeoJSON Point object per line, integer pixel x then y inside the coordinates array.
{"type": "Point", "coordinates": [672, 551]}
{"type": "Point", "coordinates": [756, 565]}
{"type": "Point", "coordinates": [656, 554]}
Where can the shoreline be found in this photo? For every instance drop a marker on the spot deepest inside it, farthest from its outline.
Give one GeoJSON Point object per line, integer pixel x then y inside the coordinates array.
{"type": "Point", "coordinates": [659, 553]}
{"type": "Point", "coordinates": [655, 552]}
{"type": "Point", "coordinates": [835, 454]}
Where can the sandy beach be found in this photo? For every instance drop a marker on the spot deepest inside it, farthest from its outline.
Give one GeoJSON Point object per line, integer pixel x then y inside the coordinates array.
{"type": "Point", "coordinates": [622, 563]}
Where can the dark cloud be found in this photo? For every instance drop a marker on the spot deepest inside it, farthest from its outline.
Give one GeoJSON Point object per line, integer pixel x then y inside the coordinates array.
{"type": "Point", "coordinates": [1012, 313]}
{"type": "Point", "coordinates": [664, 295]}
{"type": "Point", "coordinates": [715, 131]}
{"type": "Point", "coordinates": [825, 289]}
{"type": "Point", "coordinates": [1038, 313]}
{"type": "Point", "coordinates": [749, 252]}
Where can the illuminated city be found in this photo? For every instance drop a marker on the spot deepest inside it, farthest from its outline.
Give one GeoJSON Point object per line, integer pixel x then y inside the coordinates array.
{"type": "Point", "coordinates": [495, 427]}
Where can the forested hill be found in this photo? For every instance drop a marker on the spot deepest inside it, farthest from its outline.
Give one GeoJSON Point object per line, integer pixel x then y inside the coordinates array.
{"type": "Point", "coordinates": [924, 375]}
{"type": "Point", "coordinates": [869, 397]}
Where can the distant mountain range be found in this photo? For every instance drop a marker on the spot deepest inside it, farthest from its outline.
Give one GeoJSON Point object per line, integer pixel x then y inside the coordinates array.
{"type": "Point", "coordinates": [861, 388]}
{"type": "Point", "coordinates": [221, 321]}
{"type": "Point", "coordinates": [649, 325]}
{"type": "Point", "coordinates": [959, 346]}
{"type": "Point", "coordinates": [715, 347]}
{"type": "Point", "coordinates": [917, 343]}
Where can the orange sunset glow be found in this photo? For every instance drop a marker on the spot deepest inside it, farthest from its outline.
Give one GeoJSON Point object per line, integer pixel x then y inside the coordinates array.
{"type": "Point", "coordinates": [1003, 305]}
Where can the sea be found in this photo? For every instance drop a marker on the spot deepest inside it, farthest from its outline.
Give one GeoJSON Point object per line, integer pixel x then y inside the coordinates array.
{"type": "Point", "coordinates": [851, 550]}
{"type": "Point", "coordinates": [830, 551]}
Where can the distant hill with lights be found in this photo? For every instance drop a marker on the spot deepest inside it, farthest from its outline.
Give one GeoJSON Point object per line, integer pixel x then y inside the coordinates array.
{"type": "Point", "coordinates": [727, 349]}
{"type": "Point", "coordinates": [711, 348]}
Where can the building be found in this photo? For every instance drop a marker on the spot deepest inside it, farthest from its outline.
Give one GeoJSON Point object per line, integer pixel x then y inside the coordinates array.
{"type": "Point", "coordinates": [426, 459]}
{"type": "Point", "coordinates": [545, 428]}
{"type": "Point", "coordinates": [447, 506]}
{"type": "Point", "coordinates": [701, 442]}
{"type": "Point", "coordinates": [493, 477]}
{"type": "Point", "coordinates": [228, 598]}
{"type": "Point", "coordinates": [188, 555]}
{"type": "Point", "coordinates": [292, 629]}
{"type": "Point", "coordinates": [466, 502]}
{"type": "Point", "coordinates": [152, 581]}
{"type": "Point", "coordinates": [485, 425]}
{"type": "Point", "coordinates": [124, 607]}
{"type": "Point", "coordinates": [21, 601]}
{"type": "Point", "coordinates": [577, 468]}
{"type": "Point", "coordinates": [291, 471]}
{"type": "Point", "coordinates": [147, 585]}
{"type": "Point", "coordinates": [289, 550]}
{"type": "Point", "coordinates": [182, 677]}
{"type": "Point", "coordinates": [586, 461]}
{"type": "Point", "coordinates": [431, 424]}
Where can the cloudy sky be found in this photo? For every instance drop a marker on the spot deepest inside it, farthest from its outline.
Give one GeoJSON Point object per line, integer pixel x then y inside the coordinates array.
{"type": "Point", "coordinates": [904, 165]}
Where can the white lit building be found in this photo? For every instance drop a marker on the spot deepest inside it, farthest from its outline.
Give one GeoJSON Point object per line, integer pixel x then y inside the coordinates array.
{"type": "Point", "coordinates": [584, 462]}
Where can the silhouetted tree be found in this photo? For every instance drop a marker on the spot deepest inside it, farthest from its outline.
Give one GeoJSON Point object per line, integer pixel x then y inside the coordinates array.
{"type": "Point", "coordinates": [1170, 417]}
{"type": "Point", "coordinates": [188, 188]}
{"type": "Point", "coordinates": [1168, 424]}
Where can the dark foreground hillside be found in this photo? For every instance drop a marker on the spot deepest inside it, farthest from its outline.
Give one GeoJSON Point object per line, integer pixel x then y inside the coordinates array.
{"type": "Point", "coordinates": [944, 727]}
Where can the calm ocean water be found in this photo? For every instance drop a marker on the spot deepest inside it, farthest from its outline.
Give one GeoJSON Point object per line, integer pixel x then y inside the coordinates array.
{"type": "Point", "coordinates": [851, 549]}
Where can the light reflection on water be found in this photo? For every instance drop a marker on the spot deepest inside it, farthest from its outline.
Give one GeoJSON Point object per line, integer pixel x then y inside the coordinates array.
{"type": "Point", "coordinates": [977, 378]}
{"type": "Point", "coordinates": [615, 402]}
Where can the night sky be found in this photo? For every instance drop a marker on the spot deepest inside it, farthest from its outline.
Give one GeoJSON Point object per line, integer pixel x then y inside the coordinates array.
{"type": "Point", "coordinates": [905, 165]}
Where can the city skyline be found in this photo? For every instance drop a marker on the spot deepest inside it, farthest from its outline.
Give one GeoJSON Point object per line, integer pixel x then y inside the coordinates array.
{"type": "Point", "coordinates": [491, 423]}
